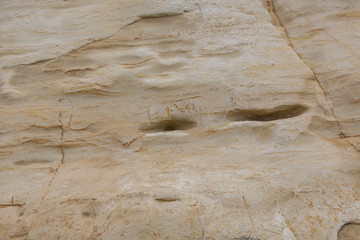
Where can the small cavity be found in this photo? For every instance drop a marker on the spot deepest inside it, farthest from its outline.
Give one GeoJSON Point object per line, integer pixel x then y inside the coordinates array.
{"type": "Point", "coordinates": [168, 125]}
{"type": "Point", "coordinates": [167, 199]}
{"type": "Point", "coordinates": [88, 213]}
{"type": "Point", "coordinates": [349, 231]}
{"type": "Point", "coordinates": [26, 163]}
{"type": "Point", "coordinates": [161, 14]}
{"type": "Point", "coordinates": [264, 115]}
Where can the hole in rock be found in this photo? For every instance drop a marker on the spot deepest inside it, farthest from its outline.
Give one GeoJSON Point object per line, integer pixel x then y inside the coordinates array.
{"type": "Point", "coordinates": [87, 213]}
{"type": "Point", "coordinates": [349, 231]}
{"type": "Point", "coordinates": [280, 112]}
{"type": "Point", "coordinates": [168, 125]}
{"type": "Point", "coordinates": [167, 199]}
{"type": "Point", "coordinates": [30, 162]}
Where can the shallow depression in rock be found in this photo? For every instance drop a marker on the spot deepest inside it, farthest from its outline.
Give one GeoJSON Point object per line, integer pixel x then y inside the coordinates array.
{"type": "Point", "coordinates": [264, 115]}
{"type": "Point", "coordinates": [168, 126]}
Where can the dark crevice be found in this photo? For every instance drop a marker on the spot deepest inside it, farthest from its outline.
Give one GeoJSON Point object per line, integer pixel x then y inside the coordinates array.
{"type": "Point", "coordinates": [264, 115]}
{"type": "Point", "coordinates": [161, 15]}
{"type": "Point", "coordinates": [168, 125]}
{"type": "Point", "coordinates": [167, 199]}
{"type": "Point", "coordinates": [30, 162]}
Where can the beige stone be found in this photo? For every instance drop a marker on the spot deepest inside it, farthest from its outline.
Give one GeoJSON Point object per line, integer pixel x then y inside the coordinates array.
{"type": "Point", "coordinates": [179, 119]}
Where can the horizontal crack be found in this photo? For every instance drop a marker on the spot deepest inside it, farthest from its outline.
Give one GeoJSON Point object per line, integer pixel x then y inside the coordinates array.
{"type": "Point", "coordinates": [12, 205]}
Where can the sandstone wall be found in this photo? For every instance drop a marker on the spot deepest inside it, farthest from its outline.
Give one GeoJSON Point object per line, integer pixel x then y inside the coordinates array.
{"type": "Point", "coordinates": [179, 119]}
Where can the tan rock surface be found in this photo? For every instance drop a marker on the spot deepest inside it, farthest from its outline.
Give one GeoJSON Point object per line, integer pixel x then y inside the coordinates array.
{"type": "Point", "coordinates": [179, 119]}
{"type": "Point", "coordinates": [349, 231]}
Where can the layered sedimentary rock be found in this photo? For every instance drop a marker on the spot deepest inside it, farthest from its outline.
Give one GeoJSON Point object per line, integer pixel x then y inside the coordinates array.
{"type": "Point", "coordinates": [223, 119]}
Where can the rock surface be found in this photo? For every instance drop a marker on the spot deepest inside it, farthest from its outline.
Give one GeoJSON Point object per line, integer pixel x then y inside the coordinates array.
{"type": "Point", "coordinates": [179, 119]}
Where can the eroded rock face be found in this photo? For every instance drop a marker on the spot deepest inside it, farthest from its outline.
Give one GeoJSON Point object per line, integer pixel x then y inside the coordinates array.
{"type": "Point", "coordinates": [227, 119]}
